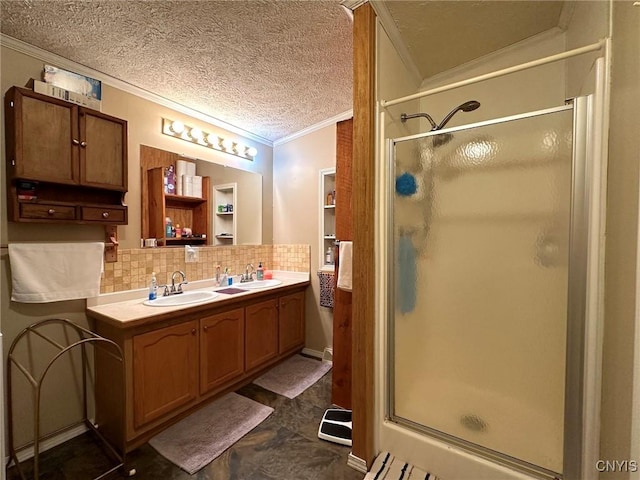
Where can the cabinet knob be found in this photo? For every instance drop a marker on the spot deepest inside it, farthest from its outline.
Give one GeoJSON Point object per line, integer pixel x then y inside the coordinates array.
{"type": "Point", "coordinates": [51, 211]}
{"type": "Point", "coordinates": [75, 142]}
{"type": "Point", "coordinates": [193, 331]}
{"type": "Point", "coordinates": [83, 144]}
{"type": "Point", "coordinates": [205, 328]}
{"type": "Point", "coordinates": [105, 214]}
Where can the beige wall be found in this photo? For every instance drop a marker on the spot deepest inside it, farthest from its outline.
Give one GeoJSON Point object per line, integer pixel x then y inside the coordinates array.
{"type": "Point", "coordinates": [622, 240]}
{"type": "Point", "coordinates": [144, 119]}
{"type": "Point", "coordinates": [533, 89]}
{"type": "Point", "coordinates": [296, 167]}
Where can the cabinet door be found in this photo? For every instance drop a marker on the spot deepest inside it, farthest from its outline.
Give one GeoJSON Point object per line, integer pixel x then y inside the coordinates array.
{"type": "Point", "coordinates": [165, 366]}
{"type": "Point", "coordinates": [291, 322]}
{"type": "Point", "coordinates": [261, 333]}
{"type": "Point", "coordinates": [43, 131]}
{"type": "Point", "coordinates": [103, 150]}
{"type": "Point", "coordinates": [221, 349]}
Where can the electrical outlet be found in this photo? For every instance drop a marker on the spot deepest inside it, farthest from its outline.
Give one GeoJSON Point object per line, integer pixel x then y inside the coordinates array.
{"type": "Point", "coordinates": [191, 254]}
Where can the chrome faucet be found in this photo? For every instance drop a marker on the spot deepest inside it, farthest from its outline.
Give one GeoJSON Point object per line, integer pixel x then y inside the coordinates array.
{"type": "Point", "coordinates": [175, 290]}
{"type": "Point", "coordinates": [247, 277]}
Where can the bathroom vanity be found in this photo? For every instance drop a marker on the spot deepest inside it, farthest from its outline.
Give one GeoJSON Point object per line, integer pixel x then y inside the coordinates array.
{"type": "Point", "coordinates": [177, 358]}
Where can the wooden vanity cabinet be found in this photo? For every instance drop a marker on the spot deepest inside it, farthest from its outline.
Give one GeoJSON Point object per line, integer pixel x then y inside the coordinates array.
{"type": "Point", "coordinates": [290, 322]}
{"type": "Point", "coordinates": [165, 367]}
{"type": "Point", "coordinates": [261, 344]}
{"type": "Point", "coordinates": [221, 349]}
{"type": "Point", "coordinates": [75, 155]}
{"type": "Point", "coordinates": [176, 362]}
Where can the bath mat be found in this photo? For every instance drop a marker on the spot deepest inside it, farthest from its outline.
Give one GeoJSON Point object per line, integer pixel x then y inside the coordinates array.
{"type": "Point", "coordinates": [200, 438]}
{"type": "Point", "coordinates": [293, 376]}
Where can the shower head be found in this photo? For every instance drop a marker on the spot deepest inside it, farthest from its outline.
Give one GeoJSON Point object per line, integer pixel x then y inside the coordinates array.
{"type": "Point", "coordinates": [469, 106]}
{"type": "Point", "coordinates": [404, 117]}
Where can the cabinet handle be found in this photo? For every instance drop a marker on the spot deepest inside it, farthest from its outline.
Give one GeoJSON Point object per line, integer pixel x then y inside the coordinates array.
{"type": "Point", "coordinates": [51, 211]}
{"type": "Point", "coordinates": [75, 142]}
{"type": "Point", "coordinates": [193, 331]}
{"type": "Point", "coordinates": [205, 328]}
{"type": "Point", "coordinates": [105, 214]}
{"type": "Point", "coordinates": [83, 144]}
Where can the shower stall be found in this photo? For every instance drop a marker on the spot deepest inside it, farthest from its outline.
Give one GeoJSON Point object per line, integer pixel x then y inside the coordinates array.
{"type": "Point", "coordinates": [487, 228]}
{"type": "Point", "coordinates": [484, 251]}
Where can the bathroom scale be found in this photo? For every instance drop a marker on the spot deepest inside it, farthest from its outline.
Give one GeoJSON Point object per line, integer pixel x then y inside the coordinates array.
{"type": "Point", "coordinates": [336, 426]}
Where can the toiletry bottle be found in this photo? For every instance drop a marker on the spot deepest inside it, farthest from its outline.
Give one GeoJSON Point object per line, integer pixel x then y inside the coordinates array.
{"type": "Point", "coordinates": [168, 227]}
{"type": "Point", "coordinates": [328, 257]}
{"type": "Point", "coordinates": [153, 287]}
{"type": "Point", "coordinates": [260, 272]}
{"type": "Point", "coordinates": [178, 231]}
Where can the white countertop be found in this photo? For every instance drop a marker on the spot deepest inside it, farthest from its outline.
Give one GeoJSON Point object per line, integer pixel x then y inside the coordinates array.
{"type": "Point", "coordinates": [126, 307]}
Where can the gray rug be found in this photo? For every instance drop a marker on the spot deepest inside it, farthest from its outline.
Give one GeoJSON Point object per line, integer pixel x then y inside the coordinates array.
{"type": "Point", "coordinates": [293, 376]}
{"type": "Point", "coordinates": [198, 439]}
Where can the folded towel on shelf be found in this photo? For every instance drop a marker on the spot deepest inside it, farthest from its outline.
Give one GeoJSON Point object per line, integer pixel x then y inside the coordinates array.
{"type": "Point", "coordinates": [51, 272]}
{"type": "Point", "coordinates": [345, 274]}
{"type": "Point", "coordinates": [327, 288]}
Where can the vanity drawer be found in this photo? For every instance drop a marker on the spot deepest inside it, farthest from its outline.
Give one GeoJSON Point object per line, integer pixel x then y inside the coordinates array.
{"type": "Point", "coordinates": [97, 214]}
{"type": "Point", "coordinates": [47, 211]}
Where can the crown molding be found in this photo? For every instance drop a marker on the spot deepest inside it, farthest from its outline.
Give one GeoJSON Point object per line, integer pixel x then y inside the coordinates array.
{"type": "Point", "coordinates": [49, 57]}
{"type": "Point", "coordinates": [389, 25]}
{"type": "Point", "coordinates": [306, 131]}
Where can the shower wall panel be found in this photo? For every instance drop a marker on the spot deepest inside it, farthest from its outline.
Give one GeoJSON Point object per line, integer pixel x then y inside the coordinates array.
{"type": "Point", "coordinates": [481, 236]}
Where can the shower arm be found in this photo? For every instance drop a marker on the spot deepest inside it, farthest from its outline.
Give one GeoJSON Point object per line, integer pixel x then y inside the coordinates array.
{"type": "Point", "coordinates": [404, 117]}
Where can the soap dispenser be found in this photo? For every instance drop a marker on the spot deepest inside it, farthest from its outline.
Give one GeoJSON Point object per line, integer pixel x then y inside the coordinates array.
{"type": "Point", "coordinates": [153, 287]}
{"type": "Point", "coordinates": [260, 272]}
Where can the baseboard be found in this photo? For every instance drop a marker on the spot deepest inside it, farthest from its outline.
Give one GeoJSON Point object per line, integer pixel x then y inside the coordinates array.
{"type": "Point", "coordinates": [357, 463]}
{"type": "Point", "coordinates": [49, 443]}
{"type": "Point", "coordinates": [312, 353]}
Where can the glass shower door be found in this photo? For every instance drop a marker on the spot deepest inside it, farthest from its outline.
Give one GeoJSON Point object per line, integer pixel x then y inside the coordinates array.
{"type": "Point", "coordinates": [478, 321]}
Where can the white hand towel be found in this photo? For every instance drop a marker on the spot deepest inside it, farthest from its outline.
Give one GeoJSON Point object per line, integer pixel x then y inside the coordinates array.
{"type": "Point", "coordinates": [51, 272]}
{"type": "Point", "coordinates": [345, 273]}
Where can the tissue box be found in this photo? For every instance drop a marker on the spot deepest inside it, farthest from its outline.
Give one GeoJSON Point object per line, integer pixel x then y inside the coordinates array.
{"type": "Point", "coordinates": [73, 82]}
{"type": "Point", "coordinates": [58, 92]}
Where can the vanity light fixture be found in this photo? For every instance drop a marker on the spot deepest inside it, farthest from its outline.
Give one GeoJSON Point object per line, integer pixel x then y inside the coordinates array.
{"type": "Point", "coordinates": [177, 129]}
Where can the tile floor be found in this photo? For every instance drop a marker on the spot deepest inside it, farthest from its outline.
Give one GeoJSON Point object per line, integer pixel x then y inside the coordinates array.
{"type": "Point", "coordinates": [283, 447]}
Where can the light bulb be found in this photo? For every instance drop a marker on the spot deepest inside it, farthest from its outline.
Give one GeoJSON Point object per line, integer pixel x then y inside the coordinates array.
{"type": "Point", "coordinates": [177, 127]}
{"type": "Point", "coordinates": [196, 134]}
{"type": "Point", "coordinates": [227, 144]}
{"type": "Point", "coordinates": [213, 140]}
{"type": "Point", "coordinates": [252, 151]}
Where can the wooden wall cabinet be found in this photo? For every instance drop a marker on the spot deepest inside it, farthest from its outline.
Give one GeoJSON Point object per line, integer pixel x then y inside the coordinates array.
{"type": "Point", "coordinates": [192, 212]}
{"type": "Point", "coordinates": [175, 363]}
{"type": "Point", "coordinates": [77, 157]}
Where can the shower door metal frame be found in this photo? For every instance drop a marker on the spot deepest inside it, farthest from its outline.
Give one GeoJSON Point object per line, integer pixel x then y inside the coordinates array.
{"type": "Point", "coordinates": [577, 285]}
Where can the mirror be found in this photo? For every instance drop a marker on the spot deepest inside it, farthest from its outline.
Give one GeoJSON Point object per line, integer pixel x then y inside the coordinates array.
{"type": "Point", "coordinates": [247, 187]}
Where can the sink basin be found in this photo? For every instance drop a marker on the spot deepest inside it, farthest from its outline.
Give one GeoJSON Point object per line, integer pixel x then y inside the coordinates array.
{"type": "Point", "coordinates": [181, 299]}
{"type": "Point", "coordinates": [257, 284]}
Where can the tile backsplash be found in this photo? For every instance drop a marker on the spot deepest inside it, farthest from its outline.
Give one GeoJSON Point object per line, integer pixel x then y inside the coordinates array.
{"type": "Point", "coordinates": [134, 266]}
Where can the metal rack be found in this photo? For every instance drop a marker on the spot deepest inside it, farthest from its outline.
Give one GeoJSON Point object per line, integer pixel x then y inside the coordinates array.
{"type": "Point", "coordinates": [85, 337]}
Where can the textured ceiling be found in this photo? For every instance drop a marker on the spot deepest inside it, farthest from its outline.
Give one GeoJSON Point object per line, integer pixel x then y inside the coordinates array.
{"type": "Point", "coordinates": [444, 34]}
{"type": "Point", "coordinates": [271, 68]}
